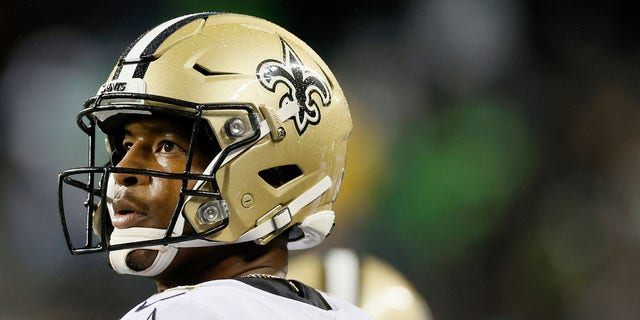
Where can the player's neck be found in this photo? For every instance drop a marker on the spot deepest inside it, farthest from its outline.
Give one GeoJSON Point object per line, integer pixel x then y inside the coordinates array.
{"type": "Point", "coordinates": [197, 265]}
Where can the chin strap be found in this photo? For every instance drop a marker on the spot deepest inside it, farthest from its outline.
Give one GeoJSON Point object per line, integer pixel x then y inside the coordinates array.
{"type": "Point", "coordinates": [118, 258]}
{"type": "Point", "coordinates": [285, 216]}
{"type": "Point", "coordinates": [315, 228]}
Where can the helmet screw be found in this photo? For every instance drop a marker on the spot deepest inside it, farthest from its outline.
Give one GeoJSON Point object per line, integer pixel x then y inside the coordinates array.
{"type": "Point", "coordinates": [210, 213]}
{"type": "Point", "coordinates": [235, 127]}
{"type": "Point", "coordinates": [247, 200]}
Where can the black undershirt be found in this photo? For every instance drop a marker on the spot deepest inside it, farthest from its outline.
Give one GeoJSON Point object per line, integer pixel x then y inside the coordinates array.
{"type": "Point", "coordinates": [291, 289]}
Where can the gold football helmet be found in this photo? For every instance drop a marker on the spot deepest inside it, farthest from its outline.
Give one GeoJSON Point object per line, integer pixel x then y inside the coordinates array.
{"type": "Point", "coordinates": [273, 109]}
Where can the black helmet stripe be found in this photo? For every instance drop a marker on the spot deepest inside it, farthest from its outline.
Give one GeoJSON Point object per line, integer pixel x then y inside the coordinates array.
{"type": "Point", "coordinates": [135, 60]}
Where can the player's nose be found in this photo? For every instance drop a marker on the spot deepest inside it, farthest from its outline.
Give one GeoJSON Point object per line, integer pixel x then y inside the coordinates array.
{"type": "Point", "coordinates": [134, 158]}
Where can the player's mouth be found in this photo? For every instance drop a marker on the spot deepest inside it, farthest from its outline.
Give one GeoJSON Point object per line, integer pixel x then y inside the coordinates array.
{"type": "Point", "coordinates": [126, 214]}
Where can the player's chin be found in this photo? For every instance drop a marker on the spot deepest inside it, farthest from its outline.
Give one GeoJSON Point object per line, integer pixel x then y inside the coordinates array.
{"type": "Point", "coordinates": [141, 259]}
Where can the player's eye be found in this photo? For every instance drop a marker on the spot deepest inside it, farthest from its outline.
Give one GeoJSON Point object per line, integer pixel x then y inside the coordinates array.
{"type": "Point", "coordinates": [169, 147]}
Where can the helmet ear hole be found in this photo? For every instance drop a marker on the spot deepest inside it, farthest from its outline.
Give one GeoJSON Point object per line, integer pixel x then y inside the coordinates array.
{"type": "Point", "coordinates": [279, 176]}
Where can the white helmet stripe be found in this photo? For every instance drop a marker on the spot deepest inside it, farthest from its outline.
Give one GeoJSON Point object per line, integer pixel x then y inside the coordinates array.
{"type": "Point", "coordinates": [148, 43]}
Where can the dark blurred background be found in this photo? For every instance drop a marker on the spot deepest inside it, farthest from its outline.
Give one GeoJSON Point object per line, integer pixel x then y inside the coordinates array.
{"type": "Point", "coordinates": [495, 160]}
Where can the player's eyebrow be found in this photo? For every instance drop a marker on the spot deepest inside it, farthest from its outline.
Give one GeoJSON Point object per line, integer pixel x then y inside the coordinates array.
{"type": "Point", "coordinates": [160, 128]}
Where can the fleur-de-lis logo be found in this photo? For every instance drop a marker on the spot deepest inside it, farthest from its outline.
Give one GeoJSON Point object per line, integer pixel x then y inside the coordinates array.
{"type": "Point", "coordinates": [301, 82]}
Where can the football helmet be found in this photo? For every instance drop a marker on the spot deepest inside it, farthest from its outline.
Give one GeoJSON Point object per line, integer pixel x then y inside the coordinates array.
{"type": "Point", "coordinates": [274, 111]}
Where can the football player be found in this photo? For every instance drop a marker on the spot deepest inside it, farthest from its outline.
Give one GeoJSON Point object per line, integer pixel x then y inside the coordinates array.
{"type": "Point", "coordinates": [226, 138]}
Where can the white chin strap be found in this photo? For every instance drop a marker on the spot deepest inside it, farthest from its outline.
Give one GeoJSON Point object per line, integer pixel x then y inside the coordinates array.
{"type": "Point", "coordinates": [118, 258]}
{"type": "Point", "coordinates": [165, 253]}
{"type": "Point", "coordinates": [315, 228]}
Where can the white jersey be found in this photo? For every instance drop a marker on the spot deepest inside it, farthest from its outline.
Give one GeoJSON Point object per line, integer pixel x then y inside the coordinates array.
{"type": "Point", "coordinates": [235, 299]}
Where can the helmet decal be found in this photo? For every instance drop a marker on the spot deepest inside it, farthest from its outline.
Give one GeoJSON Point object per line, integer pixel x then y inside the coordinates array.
{"type": "Point", "coordinates": [136, 58]}
{"type": "Point", "coordinates": [301, 82]}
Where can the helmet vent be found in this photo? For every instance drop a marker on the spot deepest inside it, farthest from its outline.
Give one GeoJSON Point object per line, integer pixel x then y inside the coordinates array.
{"type": "Point", "coordinates": [207, 73]}
{"type": "Point", "coordinates": [279, 176]}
